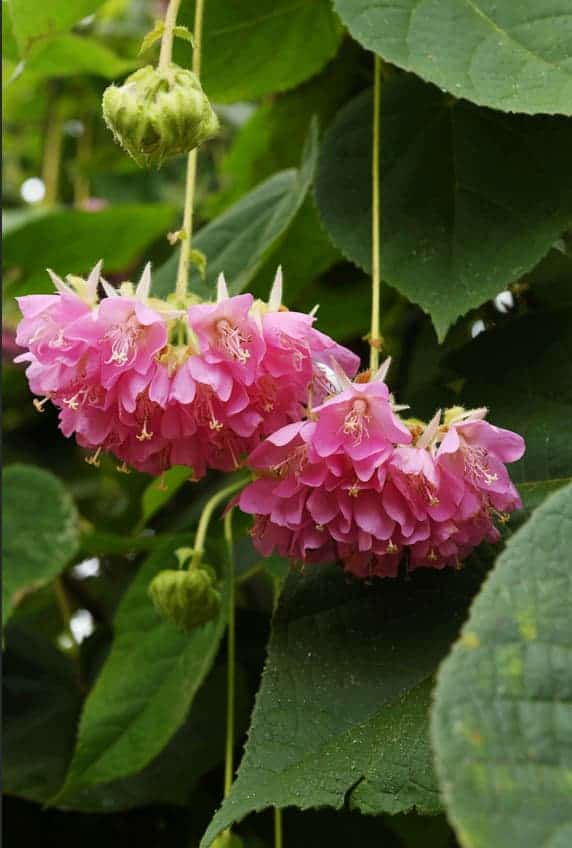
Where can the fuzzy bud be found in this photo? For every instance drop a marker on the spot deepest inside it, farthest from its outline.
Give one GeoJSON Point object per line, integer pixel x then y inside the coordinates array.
{"type": "Point", "coordinates": [157, 113]}
{"type": "Point", "coordinates": [186, 598]}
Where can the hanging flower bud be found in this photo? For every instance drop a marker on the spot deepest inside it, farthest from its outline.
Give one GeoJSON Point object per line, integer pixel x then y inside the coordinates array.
{"type": "Point", "coordinates": [186, 598]}
{"type": "Point", "coordinates": [157, 113]}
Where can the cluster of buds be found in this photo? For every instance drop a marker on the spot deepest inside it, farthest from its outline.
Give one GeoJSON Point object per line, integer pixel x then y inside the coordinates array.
{"type": "Point", "coordinates": [354, 482]}
{"type": "Point", "coordinates": [158, 113]}
{"type": "Point", "coordinates": [158, 386]}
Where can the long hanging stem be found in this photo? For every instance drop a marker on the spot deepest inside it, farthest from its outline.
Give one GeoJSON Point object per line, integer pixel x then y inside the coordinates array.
{"type": "Point", "coordinates": [206, 515]}
{"type": "Point", "coordinates": [187, 229]}
{"type": "Point", "coordinates": [51, 162]}
{"type": "Point", "coordinates": [67, 612]}
{"type": "Point", "coordinates": [277, 828]}
{"type": "Point", "coordinates": [374, 336]}
{"type": "Point", "coordinates": [168, 35]}
{"type": "Point", "coordinates": [231, 661]}
{"type": "Point", "coordinates": [81, 182]}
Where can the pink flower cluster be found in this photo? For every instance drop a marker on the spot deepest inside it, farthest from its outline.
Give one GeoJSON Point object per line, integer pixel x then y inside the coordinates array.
{"type": "Point", "coordinates": [157, 386]}
{"type": "Point", "coordinates": [355, 483]}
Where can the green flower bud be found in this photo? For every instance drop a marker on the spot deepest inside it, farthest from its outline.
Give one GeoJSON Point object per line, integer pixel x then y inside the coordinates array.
{"type": "Point", "coordinates": [187, 598]}
{"type": "Point", "coordinates": [159, 113]}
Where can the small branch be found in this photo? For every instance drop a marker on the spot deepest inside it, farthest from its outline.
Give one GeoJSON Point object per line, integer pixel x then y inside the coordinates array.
{"type": "Point", "coordinates": [168, 35]}
{"type": "Point", "coordinates": [206, 516]}
{"type": "Point", "coordinates": [186, 243]}
{"type": "Point", "coordinates": [81, 182]}
{"type": "Point", "coordinates": [231, 660]}
{"type": "Point", "coordinates": [51, 163]}
{"type": "Point", "coordinates": [374, 336]}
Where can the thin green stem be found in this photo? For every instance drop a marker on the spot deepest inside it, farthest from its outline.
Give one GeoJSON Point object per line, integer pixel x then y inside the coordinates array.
{"type": "Point", "coordinates": [231, 660]}
{"type": "Point", "coordinates": [81, 181]}
{"type": "Point", "coordinates": [187, 229]}
{"type": "Point", "coordinates": [278, 835]}
{"type": "Point", "coordinates": [206, 515]}
{"type": "Point", "coordinates": [66, 611]}
{"type": "Point", "coordinates": [248, 574]}
{"type": "Point", "coordinates": [374, 336]}
{"type": "Point", "coordinates": [168, 35]}
{"type": "Point", "coordinates": [52, 155]}
{"type": "Point", "coordinates": [277, 828]}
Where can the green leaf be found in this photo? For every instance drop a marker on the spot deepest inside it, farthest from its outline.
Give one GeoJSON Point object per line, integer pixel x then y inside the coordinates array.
{"type": "Point", "coordinates": [341, 717]}
{"type": "Point", "coordinates": [503, 708]}
{"type": "Point", "coordinates": [470, 199]}
{"type": "Point", "coordinates": [241, 239]}
{"type": "Point", "coordinates": [509, 55]}
{"type": "Point", "coordinates": [344, 300]}
{"type": "Point", "coordinates": [40, 530]}
{"type": "Point", "coordinates": [261, 46]}
{"type": "Point", "coordinates": [41, 702]}
{"type": "Point", "coordinates": [305, 252]}
{"type": "Point", "coordinates": [171, 777]}
{"type": "Point", "coordinates": [32, 20]}
{"type": "Point", "coordinates": [271, 139]}
{"type": "Point", "coordinates": [522, 373]}
{"type": "Point", "coordinates": [185, 34]}
{"type": "Point", "coordinates": [70, 241]}
{"type": "Point", "coordinates": [101, 543]}
{"type": "Point", "coordinates": [70, 55]}
{"type": "Point", "coordinates": [9, 44]}
{"type": "Point", "coordinates": [153, 36]}
{"type": "Point", "coordinates": [535, 493]}
{"type": "Point", "coordinates": [145, 688]}
{"type": "Point", "coordinates": [159, 492]}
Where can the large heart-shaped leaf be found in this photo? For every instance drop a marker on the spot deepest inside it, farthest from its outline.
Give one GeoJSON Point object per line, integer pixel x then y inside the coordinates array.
{"type": "Point", "coordinates": [341, 717]}
{"type": "Point", "coordinates": [145, 688]}
{"type": "Point", "coordinates": [509, 55]}
{"type": "Point", "coordinates": [40, 530]}
{"type": "Point", "coordinates": [33, 21]}
{"type": "Point", "coordinates": [503, 711]}
{"type": "Point", "coordinates": [256, 47]}
{"type": "Point", "coordinates": [471, 199]}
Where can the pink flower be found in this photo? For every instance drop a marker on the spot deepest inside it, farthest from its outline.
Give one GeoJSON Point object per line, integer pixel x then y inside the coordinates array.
{"type": "Point", "coordinates": [228, 333]}
{"type": "Point", "coordinates": [157, 387]}
{"type": "Point", "coordinates": [360, 422]}
{"type": "Point", "coordinates": [349, 485]}
{"type": "Point", "coordinates": [475, 452]}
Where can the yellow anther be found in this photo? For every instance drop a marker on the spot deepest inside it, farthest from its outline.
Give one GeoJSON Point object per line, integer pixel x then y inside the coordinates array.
{"type": "Point", "coordinates": [94, 458]}
{"type": "Point", "coordinates": [39, 404]}
{"type": "Point", "coordinates": [144, 435]}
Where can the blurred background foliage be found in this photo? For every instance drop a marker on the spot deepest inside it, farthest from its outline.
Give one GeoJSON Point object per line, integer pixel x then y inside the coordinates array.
{"type": "Point", "coordinates": [71, 197]}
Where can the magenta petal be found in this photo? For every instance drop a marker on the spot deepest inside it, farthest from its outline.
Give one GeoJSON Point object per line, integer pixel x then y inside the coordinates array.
{"type": "Point", "coordinates": [323, 506]}
{"type": "Point", "coordinates": [257, 498]}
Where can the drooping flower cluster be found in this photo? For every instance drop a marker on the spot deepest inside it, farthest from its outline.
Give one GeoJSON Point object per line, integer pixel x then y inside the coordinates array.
{"type": "Point", "coordinates": [356, 483]}
{"type": "Point", "coordinates": [158, 386]}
